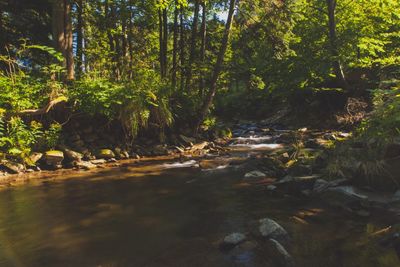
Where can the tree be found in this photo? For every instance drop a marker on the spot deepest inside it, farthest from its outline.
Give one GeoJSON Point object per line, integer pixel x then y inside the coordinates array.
{"type": "Point", "coordinates": [331, 4]}
{"type": "Point", "coordinates": [192, 44]}
{"type": "Point", "coordinates": [79, 38]}
{"type": "Point", "coordinates": [62, 34]}
{"type": "Point", "coordinates": [203, 35]}
{"type": "Point", "coordinates": [218, 67]}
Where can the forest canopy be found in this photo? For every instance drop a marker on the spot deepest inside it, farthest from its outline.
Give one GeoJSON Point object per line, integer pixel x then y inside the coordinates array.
{"type": "Point", "coordinates": [161, 65]}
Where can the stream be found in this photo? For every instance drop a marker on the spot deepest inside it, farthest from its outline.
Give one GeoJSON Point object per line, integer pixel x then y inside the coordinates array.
{"type": "Point", "coordinates": [164, 212]}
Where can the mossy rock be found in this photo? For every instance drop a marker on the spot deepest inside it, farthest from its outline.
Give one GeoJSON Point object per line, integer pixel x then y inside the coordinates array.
{"type": "Point", "coordinates": [105, 154]}
{"type": "Point", "coordinates": [53, 157]}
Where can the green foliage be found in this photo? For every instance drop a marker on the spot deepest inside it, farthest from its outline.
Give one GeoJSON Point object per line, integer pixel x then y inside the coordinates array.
{"type": "Point", "coordinates": [133, 103]}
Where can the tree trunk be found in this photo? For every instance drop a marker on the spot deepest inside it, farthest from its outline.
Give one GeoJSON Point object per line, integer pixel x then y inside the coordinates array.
{"type": "Point", "coordinates": [130, 43]}
{"type": "Point", "coordinates": [69, 41]}
{"type": "Point", "coordinates": [161, 41]}
{"type": "Point", "coordinates": [79, 39]}
{"type": "Point", "coordinates": [182, 48]}
{"type": "Point", "coordinates": [175, 46]}
{"type": "Point", "coordinates": [165, 42]}
{"type": "Point", "coordinates": [203, 35]}
{"type": "Point", "coordinates": [337, 66]}
{"type": "Point", "coordinates": [218, 67]}
{"type": "Point", "coordinates": [62, 34]}
{"type": "Point", "coordinates": [192, 44]}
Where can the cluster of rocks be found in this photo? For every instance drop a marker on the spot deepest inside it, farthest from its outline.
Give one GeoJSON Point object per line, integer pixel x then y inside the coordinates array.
{"type": "Point", "coordinates": [270, 235]}
{"type": "Point", "coordinates": [87, 148]}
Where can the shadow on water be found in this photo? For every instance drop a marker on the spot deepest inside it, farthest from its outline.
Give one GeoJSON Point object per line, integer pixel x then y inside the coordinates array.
{"type": "Point", "coordinates": [157, 214]}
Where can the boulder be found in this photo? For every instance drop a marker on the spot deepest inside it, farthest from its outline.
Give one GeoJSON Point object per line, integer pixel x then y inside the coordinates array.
{"type": "Point", "coordinates": [280, 255]}
{"type": "Point", "coordinates": [234, 239]}
{"type": "Point", "coordinates": [72, 155]}
{"type": "Point", "coordinates": [85, 165]}
{"type": "Point", "coordinates": [270, 229]}
{"type": "Point", "coordinates": [342, 196]}
{"type": "Point", "coordinates": [118, 153]}
{"type": "Point", "coordinates": [53, 158]}
{"type": "Point", "coordinates": [254, 176]}
{"type": "Point", "coordinates": [12, 167]}
{"type": "Point", "coordinates": [35, 157]}
{"type": "Point", "coordinates": [105, 154]}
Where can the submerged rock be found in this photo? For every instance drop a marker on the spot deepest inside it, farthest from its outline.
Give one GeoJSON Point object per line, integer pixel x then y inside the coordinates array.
{"type": "Point", "coordinates": [234, 239]}
{"type": "Point", "coordinates": [279, 253]}
{"type": "Point", "coordinates": [343, 195]}
{"type": "Point", "coordinates": [270, 229]}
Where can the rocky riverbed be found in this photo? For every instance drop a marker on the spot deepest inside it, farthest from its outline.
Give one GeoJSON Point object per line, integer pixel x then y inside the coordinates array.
{"type": "Point", "coordinates": [265, 158]}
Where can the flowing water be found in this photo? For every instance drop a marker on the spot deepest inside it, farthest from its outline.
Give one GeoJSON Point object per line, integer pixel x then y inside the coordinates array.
{"type": "Point", "coordinates": [168, 213]}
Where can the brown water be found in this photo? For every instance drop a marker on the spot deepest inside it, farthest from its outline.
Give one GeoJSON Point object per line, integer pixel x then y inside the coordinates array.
{"type": "Point", "coordinates": [149, 215]}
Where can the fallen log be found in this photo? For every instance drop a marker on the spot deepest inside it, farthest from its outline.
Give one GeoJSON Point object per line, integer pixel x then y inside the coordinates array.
{"type": "Point", "coordinates": [46, 109]}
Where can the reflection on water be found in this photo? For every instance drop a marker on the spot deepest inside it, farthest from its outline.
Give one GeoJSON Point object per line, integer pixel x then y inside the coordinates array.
{"type": "Point", "coordinates": [155, 216]}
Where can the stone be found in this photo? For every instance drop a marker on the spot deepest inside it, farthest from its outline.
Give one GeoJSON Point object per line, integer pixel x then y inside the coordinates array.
{"type": "Point", "coordinates": [254, 174]}
{"type": "Point", "coordinates": [12, 167]}
{"type": "Point", "coordinates": [125, 154]}
{"type": "Point", "coordinates": [53, 158]}
{"type": "Point", "coordinates": [105, 154]}
{"type": "Point", "coordinates": [88, 129]}
{"type": "Point", "coordinates": [85, 165]}
{"type": "Point", "coordinates": [280, 254]}
{"type": "Point", "coordinates": [320, 185]}
{"type": "Point", "coordinates": [72, 155]}
{"type": "Point", "coordinates": [35, 157]}
{"type": "Point", "coordinates": [199, 146]}
{"type": "Point", "coordinates": [271, 229]}
{"type": "Point", "coordinates": [117, 152]}
{"type": "Point", "coordinates": [343, 196]}
{"type": "Point", "coordinates": [396, 196]}
{"type": "Point", "coordinates": [98, 161]}
{"type": "Point", "coordinates": [271, 187]}
{"type": "Point", "coordinates": [187, 140]}
{"type": "Point", "coordinates": [286, 179]}
{"type": "Point", "coordinates": [74, 137]}
{"type": "Point", "coordinates": [135, 155]}
{"type": "Point", "coordinates": [234, 239]}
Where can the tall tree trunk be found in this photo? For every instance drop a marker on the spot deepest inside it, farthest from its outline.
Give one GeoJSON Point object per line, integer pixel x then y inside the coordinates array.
{"type": "Point", "coordinates": [333, 42]}
{"type": "Point", "coordinates": [175, 46]}
{"type": "Point", "coordinates": [161, 41]}
{"type": "Point", "coordinates": [203, 34]}
{"type": "Point", "coordinates": [182, 48]}
{"type": "Point", "coordinates": [130, 42]}
{"type": "Point", "coordinates": [192, 44]}
{"type": "Point", "coordinates": [218, 67]}
{"type": "Point", "coordinates": [79, 39]}
{"type": "Point", "coordinates": [124, 50]}
{"type": "Point", "coordinates": [108, 18]}
{"type": "Point", "coordinates": [62, 34]}
{"type": "Point", "coordinates": [69, 41]}
{"type": "Point", "coordinates": [165, 41]}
